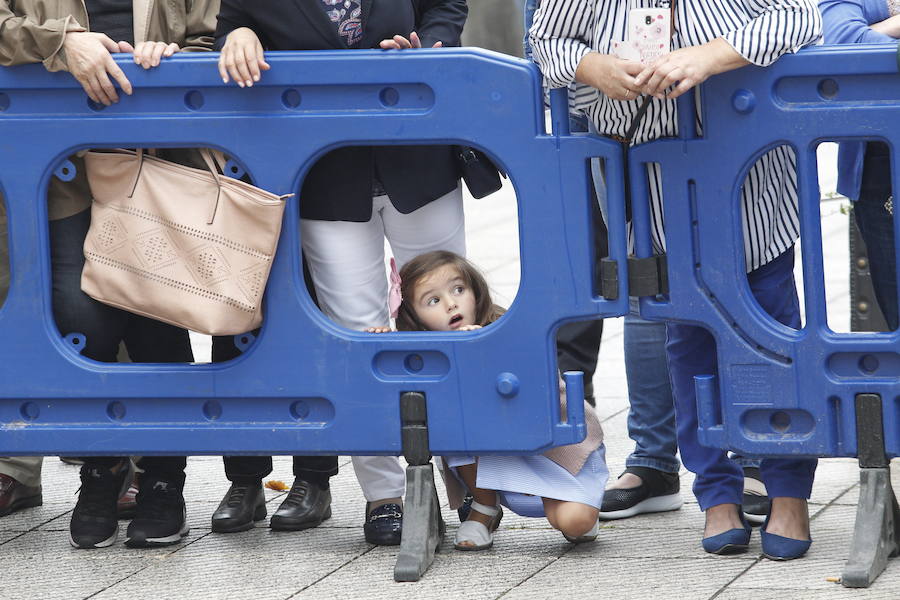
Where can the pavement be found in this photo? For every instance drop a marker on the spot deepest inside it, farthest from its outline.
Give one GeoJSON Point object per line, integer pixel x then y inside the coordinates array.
{"type": "Point", "coordinates": [649, 556]}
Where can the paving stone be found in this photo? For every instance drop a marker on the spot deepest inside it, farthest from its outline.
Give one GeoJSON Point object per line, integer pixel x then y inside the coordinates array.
{"type": "Point", "coordinates": [43, 565]}
{"type": "Point", "coordinates": [258, 564]}
{"type": "Point", "coordinates": [454, 574]}
{"type": "Point", "coordinates": [630, 578]}
{"type": "Point", "coordinates": [32, 518]}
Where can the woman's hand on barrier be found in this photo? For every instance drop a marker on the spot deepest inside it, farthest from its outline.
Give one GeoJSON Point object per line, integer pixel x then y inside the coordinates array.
{"type": "Point", "coordinates": [89, 60]}
{"type": "Point", "coordinates": [688, 67]}
{"type": "Point", "coordinates": [149, 54]}
{"type": "Point", "coordinates": [242, 58]}
{"type": "Point", "coordinates": [611, 75]}
{"type": "Point", "coordinates": [398, 42]}
{"type": "Point", "coordinates": [378, 330]}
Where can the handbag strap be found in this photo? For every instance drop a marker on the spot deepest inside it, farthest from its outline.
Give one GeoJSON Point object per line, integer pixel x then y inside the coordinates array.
{"type": "Point", "coordinates": [210, 165]}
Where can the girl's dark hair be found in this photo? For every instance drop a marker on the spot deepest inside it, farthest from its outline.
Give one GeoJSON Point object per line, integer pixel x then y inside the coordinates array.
{"type": "Point", "coordinates": [425, 264]}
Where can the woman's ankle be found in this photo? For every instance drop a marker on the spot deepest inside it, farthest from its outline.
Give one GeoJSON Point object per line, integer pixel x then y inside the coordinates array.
{"type": "Point", "coordinates": [789, 517]}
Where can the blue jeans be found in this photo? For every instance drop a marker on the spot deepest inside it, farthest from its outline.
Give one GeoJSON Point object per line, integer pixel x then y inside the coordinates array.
{"type": "Point", "coordinates": [651, 415]}
{"type": "Point", "coordinates": [877, 228]}
{"type": "Point", "coordinates": [691, 351]}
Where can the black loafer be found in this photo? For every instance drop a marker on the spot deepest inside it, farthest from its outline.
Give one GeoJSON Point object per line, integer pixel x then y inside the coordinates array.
{"type": "Point", "coordinates": [384, 525]}
{"type": "Point", "coordinates": [242, 505]}
{"type": "Point", "coordinates": [305, 507]}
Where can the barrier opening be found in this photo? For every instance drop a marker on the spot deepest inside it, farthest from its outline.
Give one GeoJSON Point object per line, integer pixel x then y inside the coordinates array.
{"type": "Point", "coordinates": [104, 238]}
{"type": "Point", "coordinates": [388, 212]}
{"type": "Point", "coordinates": [770, 188]}
{"type": "Point", "coordinates": [858, 235]}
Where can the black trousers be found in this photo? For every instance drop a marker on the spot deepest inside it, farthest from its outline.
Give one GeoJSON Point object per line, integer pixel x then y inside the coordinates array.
{"type": "Point", "coordinates": [249, 469]}
{"type": "Point", "coordinates": [105, 327]}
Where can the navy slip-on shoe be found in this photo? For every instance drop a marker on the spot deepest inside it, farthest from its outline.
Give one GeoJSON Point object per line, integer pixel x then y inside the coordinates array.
{"type": "Point", "coordinates": [733, 541]}
{"type": "Point", "coordinates": [776, 547]}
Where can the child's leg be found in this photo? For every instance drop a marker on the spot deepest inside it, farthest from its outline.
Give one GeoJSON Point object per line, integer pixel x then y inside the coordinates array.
{"type": "Point", "coordinates": [469, 475]}
{"type": "Point", "coordinates": [573, 519]}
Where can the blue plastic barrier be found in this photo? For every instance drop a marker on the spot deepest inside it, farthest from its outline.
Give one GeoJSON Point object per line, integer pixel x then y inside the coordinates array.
{"type": "Point", "coordinates": [306, 385]}
{"type": "Point", "coordinates": [780, 391]}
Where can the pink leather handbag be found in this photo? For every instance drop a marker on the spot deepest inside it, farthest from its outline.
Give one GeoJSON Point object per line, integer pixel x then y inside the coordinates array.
{"type": "Point", "coordinates": [186, 246]}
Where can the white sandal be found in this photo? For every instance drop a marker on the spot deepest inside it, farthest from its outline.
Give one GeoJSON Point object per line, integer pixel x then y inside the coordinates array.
{"type": "Point", "coordinates": [476, 535]}
{"type": "Point", "coordinates": [590, 536]}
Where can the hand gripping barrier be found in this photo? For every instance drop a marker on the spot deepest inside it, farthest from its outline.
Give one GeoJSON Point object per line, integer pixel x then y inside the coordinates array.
{"type": "Point", "coordinates": [307, 386]}
{"type": "Point", "coordinates": [781, 392]}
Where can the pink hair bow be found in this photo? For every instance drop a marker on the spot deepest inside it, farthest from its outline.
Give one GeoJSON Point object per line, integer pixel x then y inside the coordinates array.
{"type": "Point", "coordinates": [394, 296]}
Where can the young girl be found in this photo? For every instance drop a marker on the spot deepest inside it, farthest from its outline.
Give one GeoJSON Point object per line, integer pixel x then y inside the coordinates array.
{"type": "Point", "coordinates": [441, 291]}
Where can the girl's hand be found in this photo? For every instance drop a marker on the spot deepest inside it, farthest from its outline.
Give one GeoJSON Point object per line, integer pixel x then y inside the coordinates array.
{"type": "Point", "coordinates": [242, 58]}
{"type": "Point", "coordinates": [469, 328]}
{"type": "Point", "coordinates": [611, 75]}
{"type": "Point", "coordinates": [378, 330]}
{"type": "Point", "coordinates": [398, 42]}
{"type": "Point", "coordinates": [149, 54]}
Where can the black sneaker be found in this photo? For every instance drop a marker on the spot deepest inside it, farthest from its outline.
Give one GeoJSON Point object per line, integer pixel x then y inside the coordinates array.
{"type": "Point", "coordinates": [94, 523]}
{"type": "Point", "coordinates": [658, 492]}
{"type": "Point", "coordinates": [160, 518]}
{"type": "Point", "coordinates": [755, 502]}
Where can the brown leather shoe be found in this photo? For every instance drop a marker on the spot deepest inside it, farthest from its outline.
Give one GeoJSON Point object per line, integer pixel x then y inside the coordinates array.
{"type": "Point", "coordinates": [15, 496]}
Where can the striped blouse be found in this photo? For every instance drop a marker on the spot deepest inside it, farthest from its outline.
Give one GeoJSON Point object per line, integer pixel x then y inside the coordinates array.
{"type": "Point", "coordinates": [564, 31]}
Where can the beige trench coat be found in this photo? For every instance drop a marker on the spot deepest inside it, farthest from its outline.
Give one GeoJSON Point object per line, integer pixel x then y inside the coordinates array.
{"type": "Point", "coordinates": [33, 31]}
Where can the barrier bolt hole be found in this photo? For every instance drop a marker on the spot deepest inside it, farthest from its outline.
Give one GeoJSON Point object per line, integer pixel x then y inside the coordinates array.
{"type": "Point", "coordinates": [300, 410]}
{"type": "Point", "coordinates": [65, 171]}
{"type": "Point", "coordinates": [116, 411]}
{"type": "Point", "coordinates": [868, 364]}
{"type": "Point", "coordinates": [291, 99]}
{"type": "Point", "coordinates": [780, 422]}
{"type": "Point", "coordinates": [95, 106]}
{"type": "Point", "coordinates": [30, 411]}
{"type": "Point", "coordinates": [212, 410]}
{"type": "Point", "coordinates": [4, 102]}
{"type": "Point", "coordinates": [507, 385]}
{"type": "Point", "coordinates": [76, 341]}
{"type": "Point", "coordinates": [194, 100]}
{"type": "Point", "coordinates": [828, 89]}
{"type": "Point", "coordinates": [414, 363]}
{"type": "Point", "coordinates": [389, 97]}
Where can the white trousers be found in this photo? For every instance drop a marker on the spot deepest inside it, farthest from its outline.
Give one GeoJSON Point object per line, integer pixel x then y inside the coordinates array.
{"type": "Point", "coordinates": [346, 261]}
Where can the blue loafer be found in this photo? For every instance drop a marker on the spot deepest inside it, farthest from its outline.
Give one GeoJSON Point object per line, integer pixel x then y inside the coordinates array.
{"type": "Point", "coordinates": [733, 541]}
{"type": "Point", "coordinates": [776, 547]}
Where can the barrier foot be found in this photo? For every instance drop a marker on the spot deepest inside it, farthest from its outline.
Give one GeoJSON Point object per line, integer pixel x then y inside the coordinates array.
{"type": "Point", "coordinates": [877, 530]}
{"type": "Point", "coordinates": [423, 527]}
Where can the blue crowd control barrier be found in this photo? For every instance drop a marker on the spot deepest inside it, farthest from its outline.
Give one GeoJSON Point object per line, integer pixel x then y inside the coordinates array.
{"type": "Point", "coordinates": [779, 391]}
{"type": "Point", "coordinates": [306, 385]}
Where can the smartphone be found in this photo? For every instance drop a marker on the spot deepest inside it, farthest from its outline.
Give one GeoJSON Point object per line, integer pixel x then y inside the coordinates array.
{"type": "Point", "coordinates": [649, 32]}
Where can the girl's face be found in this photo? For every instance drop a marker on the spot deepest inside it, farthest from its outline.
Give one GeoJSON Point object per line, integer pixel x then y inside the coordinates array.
{"type": "Point", "coordinates": [443, 301]}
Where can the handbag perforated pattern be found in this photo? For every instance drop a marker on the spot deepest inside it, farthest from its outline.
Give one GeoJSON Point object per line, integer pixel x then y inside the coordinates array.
{"type": "Point", "coordinates": [154, 252]}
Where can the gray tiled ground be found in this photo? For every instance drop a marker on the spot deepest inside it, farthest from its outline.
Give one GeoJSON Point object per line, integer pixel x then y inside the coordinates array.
{"type": "Point", "coordinates": [651, 556]}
